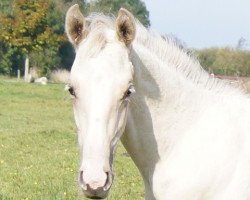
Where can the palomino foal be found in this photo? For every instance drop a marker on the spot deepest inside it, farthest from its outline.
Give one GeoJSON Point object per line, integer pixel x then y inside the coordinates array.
{"type": "Point", "coordinates": [188, 133]}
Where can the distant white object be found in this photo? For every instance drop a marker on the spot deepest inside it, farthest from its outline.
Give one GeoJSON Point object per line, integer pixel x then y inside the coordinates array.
{"type": "Point", "coordinates": [29, 79]}
{"type": "Point", "coordinates": [42, 80]}
{"type": "Point", "coordinates": [31, 76]}
{"type": "Point", "coordinates": [18, 74]}
{"type": "Point", "coordinates": [26, 70]}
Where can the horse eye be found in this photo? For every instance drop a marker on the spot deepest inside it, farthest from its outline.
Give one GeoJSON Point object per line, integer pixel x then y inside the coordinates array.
{"type": "Point", "coordinates": [129, 92]}
{"type": "Point", "coordinates": [72, 91]}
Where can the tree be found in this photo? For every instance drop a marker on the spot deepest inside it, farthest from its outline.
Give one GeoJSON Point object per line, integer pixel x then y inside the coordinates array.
{"type": "Point", "coordinates": [56, 18]}
{"type": "Point", "coordinates": [5, 6]}
{"type": "Point", "coordinates": [137, 7]}
{"type": "Point", "coordinates": [26, 30]}
{"type": "Point", "coordinates": [242, 43]}
{"type": "Point", "coordinates": [35, 29]}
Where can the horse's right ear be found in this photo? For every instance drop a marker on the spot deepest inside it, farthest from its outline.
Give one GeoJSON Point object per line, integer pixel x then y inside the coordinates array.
{"type": "Point", "coordinates": [75, 25]}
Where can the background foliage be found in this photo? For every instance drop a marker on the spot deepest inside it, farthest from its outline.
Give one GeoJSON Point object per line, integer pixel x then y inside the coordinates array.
{"type": "Point", "coordinates": [225, 61]}
{"type": "Point", "coordinates": [35, 29]}
{"type": "Point", "coordinates": [26, 30]}
{"type": "Point", "coordinates": [137, 7]}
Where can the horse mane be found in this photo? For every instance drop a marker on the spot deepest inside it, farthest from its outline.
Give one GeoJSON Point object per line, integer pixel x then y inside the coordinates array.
{"type": "Point", "coordinates": [167, 49]}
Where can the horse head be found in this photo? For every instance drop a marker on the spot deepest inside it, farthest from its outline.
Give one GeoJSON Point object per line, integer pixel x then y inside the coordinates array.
{"type": "Point", "coordinates": [101, 83]}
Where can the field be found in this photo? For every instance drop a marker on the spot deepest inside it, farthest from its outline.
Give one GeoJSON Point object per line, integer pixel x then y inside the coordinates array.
{"type": "Point", "coordinates": [242, 82]}
{"type": "Point", "coordinates": [38, 147]}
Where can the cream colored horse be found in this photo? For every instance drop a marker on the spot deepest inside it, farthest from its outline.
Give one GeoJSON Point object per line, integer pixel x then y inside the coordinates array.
{"type": "Point", "coordinates": [188, 133]}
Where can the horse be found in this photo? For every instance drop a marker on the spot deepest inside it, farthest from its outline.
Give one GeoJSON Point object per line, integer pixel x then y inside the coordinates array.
{"type": "Point", "coordinates": [187, 132]}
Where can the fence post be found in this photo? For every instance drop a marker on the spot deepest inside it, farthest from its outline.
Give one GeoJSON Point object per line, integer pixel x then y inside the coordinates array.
{"type": "Point", "coordinates": [18, 74]}
{"type": "Point", "coordinates": [26, 70]}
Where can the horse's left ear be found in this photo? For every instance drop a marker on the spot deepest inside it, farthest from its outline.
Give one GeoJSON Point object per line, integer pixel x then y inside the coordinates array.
{"type": "Point", "coordinates": [125, 26]}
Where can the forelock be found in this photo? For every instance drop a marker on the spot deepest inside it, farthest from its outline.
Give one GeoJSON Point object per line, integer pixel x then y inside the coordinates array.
{"type": "Point", "coordinates": [98, 24]}
{"type": "Point", "coordinates": [99, 20]}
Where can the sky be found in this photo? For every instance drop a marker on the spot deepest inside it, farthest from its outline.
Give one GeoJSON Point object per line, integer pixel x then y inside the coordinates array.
{"type": "Point", "coordinates": [202, 23]}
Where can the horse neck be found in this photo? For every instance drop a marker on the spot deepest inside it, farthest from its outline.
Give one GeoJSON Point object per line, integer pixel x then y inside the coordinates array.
{"type": "Point", "coordinates": [154, 119]}
{"type": "Point", "coordinates": [167, 102]}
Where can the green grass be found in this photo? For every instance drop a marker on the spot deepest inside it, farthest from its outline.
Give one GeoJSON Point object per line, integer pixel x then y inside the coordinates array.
{"type": "Point", "coordinates": [38, 147]}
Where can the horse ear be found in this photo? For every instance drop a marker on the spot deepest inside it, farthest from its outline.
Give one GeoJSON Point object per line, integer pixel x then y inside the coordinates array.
{"type": "Point", "coordinates": [75, 25]}
{"type": "Point", "coordinates": [125, 26]}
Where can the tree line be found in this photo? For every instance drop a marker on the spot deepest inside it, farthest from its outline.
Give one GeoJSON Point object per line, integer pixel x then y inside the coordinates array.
{"type": "Point", "coordinates": [34, 29]}
{"type": "Point", "coordinates": [225, 61]}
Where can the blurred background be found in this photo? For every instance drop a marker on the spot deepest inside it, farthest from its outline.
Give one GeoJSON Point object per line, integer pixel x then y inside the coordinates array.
{"type": "Point", "coordinates": [216, 31]}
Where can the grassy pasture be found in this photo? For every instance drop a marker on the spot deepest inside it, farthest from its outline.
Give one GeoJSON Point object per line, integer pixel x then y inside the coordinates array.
{"type": "Point", "coordinates": [38, 147]}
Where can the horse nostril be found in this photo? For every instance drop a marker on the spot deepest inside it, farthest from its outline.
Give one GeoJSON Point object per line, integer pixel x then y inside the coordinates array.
{"type": "Point", "coordinates": [108, 181]}
{"type": "Point", "coordinates": [81, 181]}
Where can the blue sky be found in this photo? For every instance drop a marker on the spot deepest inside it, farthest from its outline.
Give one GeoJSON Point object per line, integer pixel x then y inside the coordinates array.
{"type": "Point", "coordinates": [202, 23]}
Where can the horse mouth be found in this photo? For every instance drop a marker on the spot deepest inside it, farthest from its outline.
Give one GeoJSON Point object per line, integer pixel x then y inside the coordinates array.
{"type": "Point", "coordinates": [94, 197]}
{"type": "Point", "coordinates": [100, 192]}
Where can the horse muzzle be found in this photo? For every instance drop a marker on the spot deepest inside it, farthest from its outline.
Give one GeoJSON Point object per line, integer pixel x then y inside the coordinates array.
{"type": "Point", "coordinates": [96, 188]}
